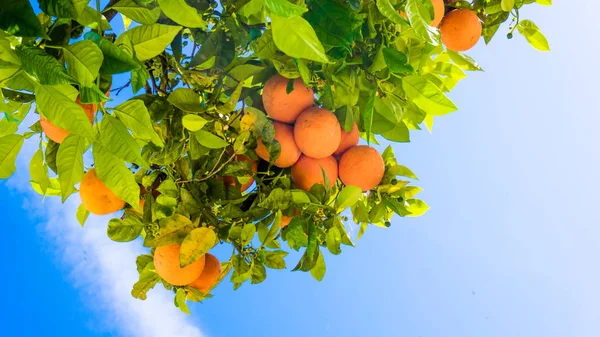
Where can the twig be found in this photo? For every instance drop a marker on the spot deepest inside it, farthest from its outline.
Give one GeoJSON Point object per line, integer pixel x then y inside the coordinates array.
{"type": "Point", "coordinates": [164, 80]}
{"type": "Point", "coordinates": [119, 89]}
{"type": "Point", "coordinates": [214, 170]}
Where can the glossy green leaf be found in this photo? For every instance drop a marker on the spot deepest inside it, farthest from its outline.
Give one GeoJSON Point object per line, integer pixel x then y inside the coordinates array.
{"type": "Point", "coordinates": [18, 18]}
{"type": "Point", "coordinates": [318, 271]}
{"type": "Point", "coordinates": [183, 14]}
{"type": "Point", "coordinates": [334, 239]}
{"type": "Point", "coordinates": [416, 207]}
{"type": "Point", "coordinates": [82, 214]}
{"type": "Point", "coordinates": [427, 96]}
{"type": "Point", "coordinates": [181, 300]}
{"type": "Point", "coordinates": [197, 243]}
{"type": "Point", "coordinates": [284, 8]}
{"type": "Point", "coordinates": [124, 230]}
{"type": "Point", "coordinates": [148, 279]}
{"type": "Point", "coordinates": [89, 17]}
{"type": "Point", "coordinates": [414, 10]}
{"type": "Point", "coordinates": [507, 5]}
{"type": "Point", "coordinates": [62, 111]}
{"type": "Point", "coordinates": [385, 7]}
{"type": "Point", "coordinates": [396, 61]}
{"type": "Point", "coordinates": [463, 60]}
{"type": "Point", "coordinates": [295, 37]}
{"type": "Point", "coordinates": [210, 140]}
{"type": "Point", "coordinates": [137, 13]}
{"type": "Point", "coordinates": [173, 230]}
{"type": "Point", "coordinates": [347, 197]}
{"type": "Point", "coordinates": [135, 117]}
{"type": "Point", "coordinates": [59, 8]}
{"type": "Point", "coordinates": [116, 176]}
{"type": "Point", "coordinates": [275, 259]}
{"type": "Point", "coordinates": [115, 59]}
{"type": "Point", "coordinates": [193, 122]}
{"type": "Point", "coordinates": [37, 63]}
{"type": "Point", "coordinates": [150, 40]}
{"type": "Point", "coordinates": [533, 35]}
{"type": "Point", "coordinates": [83, 59]}
{"type": "Point", "coordinates": [9, 61]}
{"type": "Point", "coordinates": [119, 142]}
{"type": "Point", "coordinates": [38, 171]}
{"type": "Point", "coordinates": [186, 99]}
{"type": "Point", "coordinates": [69, 162]}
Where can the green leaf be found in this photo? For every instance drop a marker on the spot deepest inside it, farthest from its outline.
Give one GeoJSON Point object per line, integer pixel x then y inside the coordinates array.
{"type": "Point", "coordinates": [197, 243]}
{"type": "Point", "coordinates": [368, 114]}
{"type": "Point", "coordinates": [399, 170]}
{"type": "Point", "coordinates": [416, 207]}
{"type": "Point", "coordinates": [82, 214]}
{"type": "Point", "coordinates": [116, 140]}
{"type": "Point", "coordinates": [53, 189]}
{"type": "Point", "coordinates": [396, 61]}
{"type": "Point", "coordinates": [544, 2]}
{"type": "Point", "coordinates": [284, 8]}
{"type": "Point", "coordinates": [347, 197]}
{"type": "Point", "coordinates": [333, 22]}
{"type": "Point", "coordinates": [116, 176]}
{"type": "Point", "coordinates": [89, 17]}
{"type": "Point", "coordinates": [259, 273]}
{"type": "Point", "coordinates": [193, 122]}
{"type": "Point", "coordinates": [135, 116]}
{"type": "Point", "coordinates": [51, 152]}
{"type": "Point", "coordinates": [181, 300]}
{"type": "Point", "coordinates": [37, 63]}
{"type": "Point", "coordinates": [414, 11]}
{"type": "Point", "coordinates": [186, 99]}
{"type": "Point", "coordinates": [248, 232]}
{"type": "Point", "coordinates": [69, 162]}
{"type": "Point", "coordinates": [18, 18]}
{"type": "Point", "coordinates": [116, 60]}
{"type": "Point", "coordinates": [427, 96]}
{"type": "Point", "coordinates": [83, 59]}
{"type": "Point", "coordinates": [334, 239]}
{"type": "Point", "coordinates": [124, 230]}
{"type": "Point", "coordinates": [150, 40]}
{"type": "Point", "coordinates": [309, 259]}
{"type": "Point", "coordinates": [148, 279]}
{"type": "Point", "coordinates": [463, 60]}
{"type": "Point", "coordinates": [295, 37]}
{"type": "Point", "coordinates": [318, 271]}
{"type": "Point", "coordinates": [533, 35]}
{"type": "Point", "coordinates": [183, 14]}
{"type": "Point", "coordinates": [507, 5]}
{"type": "Point", "coordinates": [39, 171]}
{"type": "Point", "coordinates": [59, 8]}
{"type": "Point", "coordinates": [385, 7]}
{"type": "Point", "coordinates": [173, 230]}
{"type": "Point", "coordinates": [9, 62]}
{"type": "Point", "coordinates": [275, 259]}
{"type": "Point", "coordinates": [210, 140]}
{"type": "Point", "coordinates": [62, 111]}
{"type": "Point", "coordinates": [137, 13]}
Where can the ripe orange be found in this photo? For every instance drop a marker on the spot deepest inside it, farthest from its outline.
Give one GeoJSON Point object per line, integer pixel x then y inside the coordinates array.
{"type": "Point", "coordinates": [211, 272]}
{"type": "Point", "coordinates": [96, 197]}
{"type": "Point", "coordinates": [307, 171]}
{"type": "Point", "coordinates": [290, 152]}
{"type": "Point", "coordinates": [57, 134]}
{"type": "Point", "coordinates": [285, 219]}
{"type": "Point", "coordinates": [460, 30]}
{"type": "Point", "coordinates": [349, 139]}
{"type": "Point", "coordinates": [166, 262]}
{"type": "Point", "coordinates": [438, 12]}
{"type": "Point", "coordinates": [317, 132]}
{"type": "Point", "coordinates": [361, 166]}
{"type": "Point", "coordinates": [280, 105]}
{"type": "Point", "coordinates": [229, 180]}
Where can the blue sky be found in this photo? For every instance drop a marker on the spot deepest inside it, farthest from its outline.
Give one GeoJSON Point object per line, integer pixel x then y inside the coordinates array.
{"type": "Point", "coordinates": [509, 247]}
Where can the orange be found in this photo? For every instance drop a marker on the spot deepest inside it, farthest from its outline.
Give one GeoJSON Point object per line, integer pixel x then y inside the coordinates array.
{"type": "Point", "coordinates": [317, 132]}
{"type": "Point", "coordinates": [211, 272]}
{"type": "Point", "coordinates": [166, 262]}
{"type": "Point", "coordinates": [96, 197]}
{"type": "Point", "coordinates": [290, 152]}
{"type": "Point", "coordinates": [231, 180]}
{"type": "Point", "coordinates": [349, 139]}
{"type": "Point", "coordinates": [438, 12]}
{"type": "Point", "coordinates": [280, 105]}
{"type": "Point", "coordinates": [460, 30]}
{"type": "Point", "coordinates": [285, 220]}
{"type": "Point", "coordinates": [361, 166]}
{"type": "Point", "coordinates": [57, 134]}
{"type": "Point", "coordinates": [307, 172]}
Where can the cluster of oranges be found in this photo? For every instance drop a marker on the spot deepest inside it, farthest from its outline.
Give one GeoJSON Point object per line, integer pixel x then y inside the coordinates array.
{"type": "Point", "coordinates": [460, 28]}
{"type": "Point", "coordinates": [201, 274]}
{"type": "Point", "coordinates": [312, 140]}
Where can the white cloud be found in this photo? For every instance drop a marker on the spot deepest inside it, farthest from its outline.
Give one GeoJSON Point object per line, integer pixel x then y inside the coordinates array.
{"type": "Point", "coordinates": [104, 271]}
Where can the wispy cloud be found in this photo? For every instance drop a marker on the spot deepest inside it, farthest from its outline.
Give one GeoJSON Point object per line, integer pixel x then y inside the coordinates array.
{"type": "Point", "coordinates": [104, 271]}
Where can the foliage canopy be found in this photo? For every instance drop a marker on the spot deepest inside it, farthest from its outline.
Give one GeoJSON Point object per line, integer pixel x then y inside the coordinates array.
{"type": "Point", "coordinates": [194, 72]}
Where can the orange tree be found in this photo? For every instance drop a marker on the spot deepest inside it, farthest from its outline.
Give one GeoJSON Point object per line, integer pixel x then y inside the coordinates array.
{"type": "Point", "coordinates": [180, 156]}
